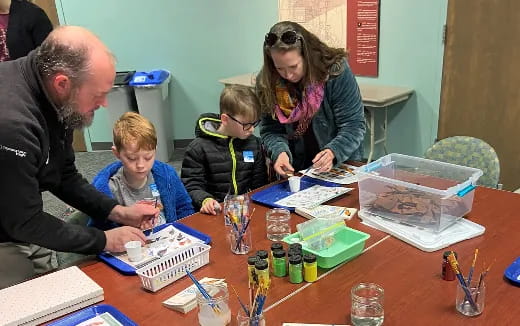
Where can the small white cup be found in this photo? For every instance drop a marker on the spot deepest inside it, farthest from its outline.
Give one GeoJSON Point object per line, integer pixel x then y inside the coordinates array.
{"type": "Point", "coordinates": [134, 250]}
{"type": "Point", "coordinates": [294, 183]}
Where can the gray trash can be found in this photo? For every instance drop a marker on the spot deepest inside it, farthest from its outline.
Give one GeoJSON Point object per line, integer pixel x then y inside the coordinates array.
{"type": "Point", "coordinates": [121, 98]}
{"type": "Point", "coordinates": [153, 102]}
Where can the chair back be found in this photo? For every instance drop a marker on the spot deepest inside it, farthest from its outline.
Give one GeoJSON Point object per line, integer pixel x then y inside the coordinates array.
{"type": "Point", "coordinates": [471, 152]}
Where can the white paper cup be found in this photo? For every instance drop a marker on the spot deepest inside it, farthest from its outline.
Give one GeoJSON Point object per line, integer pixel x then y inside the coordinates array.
{"type": "Point", "coordinates": [294, 184]}
{"type": "Point", "coordinates": [134, 250]}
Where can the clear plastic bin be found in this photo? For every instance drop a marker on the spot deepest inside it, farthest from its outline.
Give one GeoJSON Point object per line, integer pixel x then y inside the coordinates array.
{"type": "Point", "coordinates": [415, 191]}
{"type": "Point", "coordinates": [319, 233]}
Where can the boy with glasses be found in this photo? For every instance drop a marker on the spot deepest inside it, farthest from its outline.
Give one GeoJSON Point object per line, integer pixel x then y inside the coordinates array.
{"type": "Point", "coordinates": [225, 157]}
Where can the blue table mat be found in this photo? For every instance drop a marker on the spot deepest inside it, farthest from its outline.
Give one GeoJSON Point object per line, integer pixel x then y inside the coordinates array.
{"type": "Point", "coordinates": [90, 312]}
{"type": "Point", "coordinates": [274, 193]}
{"type": "Point", "coordinates": [512, 273]}
{"type": "Point", "coordinates": [127, 269]}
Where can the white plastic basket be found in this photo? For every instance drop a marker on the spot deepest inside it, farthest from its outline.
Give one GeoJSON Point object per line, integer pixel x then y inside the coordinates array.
{"type": "Point", "coordinates": [173, 266]}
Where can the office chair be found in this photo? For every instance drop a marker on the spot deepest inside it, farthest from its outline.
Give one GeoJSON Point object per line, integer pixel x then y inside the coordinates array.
{"type": "Point", "coordinates": [471, 152]}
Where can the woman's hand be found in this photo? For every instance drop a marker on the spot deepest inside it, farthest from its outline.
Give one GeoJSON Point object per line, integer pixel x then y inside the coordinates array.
{"type": "Point", "coordinates": [324, 160]}
{"type": "Point", "coordinates": [282, 165]}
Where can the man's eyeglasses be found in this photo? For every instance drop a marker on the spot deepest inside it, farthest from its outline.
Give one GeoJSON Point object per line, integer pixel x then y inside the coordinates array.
{"type": "Point", "coordinates": [246, 126]}
{"type": "Point", "coordinates": [289, 38]}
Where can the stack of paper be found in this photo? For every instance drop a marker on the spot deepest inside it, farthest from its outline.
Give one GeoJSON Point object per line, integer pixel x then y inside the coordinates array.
{"type": "Point", "coordinates": [312, 196]}
{"type": "Point", "coordinates": [326, 211]}
{"type": "Point", "coordinates": [47, 297]}
{"type": "Point", "coordinates": [186, 300]}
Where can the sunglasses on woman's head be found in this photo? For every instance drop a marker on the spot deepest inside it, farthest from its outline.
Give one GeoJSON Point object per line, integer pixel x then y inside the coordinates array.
{"type": "Point", "coordinates": [289, 38]}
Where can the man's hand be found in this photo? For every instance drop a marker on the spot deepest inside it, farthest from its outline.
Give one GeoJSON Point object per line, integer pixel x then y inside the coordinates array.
{"type": "Point", "coordinates": [116, 238]}
{"type": "Point", "coordinates": [211, 206]}
{"type": "Point", "coordinates": [282, 165]}
{"type": "Point", "coordinates": [323, 161]}
{"type": "Point", "coordinates": [138, 215]}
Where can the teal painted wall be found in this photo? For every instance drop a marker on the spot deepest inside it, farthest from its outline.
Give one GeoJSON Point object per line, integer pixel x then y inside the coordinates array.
{"type": "Point", "coordinates": [203, 41]}
{"type": "Point", "coordinates": [200, 42]}
{"type": "Point", "coordinates": [410, 55]}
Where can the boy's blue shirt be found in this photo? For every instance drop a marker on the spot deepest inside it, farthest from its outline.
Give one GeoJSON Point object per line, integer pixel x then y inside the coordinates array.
{"type": "Point", "coordinates": [176, 201]}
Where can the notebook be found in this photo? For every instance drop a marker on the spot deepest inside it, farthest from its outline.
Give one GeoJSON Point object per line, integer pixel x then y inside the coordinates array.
{"type": "Point", "coordinates": [47, 297]}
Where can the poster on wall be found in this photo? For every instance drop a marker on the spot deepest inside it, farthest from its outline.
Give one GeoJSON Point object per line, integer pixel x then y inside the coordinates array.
{"type": "Point", "coordinates": [363, 36]}
{"type": "Point", "coordinates": [349, 24]}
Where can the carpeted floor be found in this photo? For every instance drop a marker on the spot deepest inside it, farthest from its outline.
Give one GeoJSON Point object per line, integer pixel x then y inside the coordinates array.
{"type": "Point", "coordinates": [89, 164]}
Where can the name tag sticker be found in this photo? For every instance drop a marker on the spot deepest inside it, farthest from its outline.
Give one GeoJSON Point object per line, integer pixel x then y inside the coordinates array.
{"type": "Point", "coordinates": [248, 156]}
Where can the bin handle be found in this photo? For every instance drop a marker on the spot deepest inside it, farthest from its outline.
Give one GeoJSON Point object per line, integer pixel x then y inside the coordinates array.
{"type": "Point", "coordinates": [466, 190]}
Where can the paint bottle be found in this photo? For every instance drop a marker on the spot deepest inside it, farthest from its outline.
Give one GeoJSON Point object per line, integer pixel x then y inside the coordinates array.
{"type": "Point", "coordinates": [447, 272]}
{"type": "Point", "coordinates": [279, 263]}
{"type": "Point", "coordinates": [262, 271]}
{"type": "Point", "coordinates": [310, 268]}
{"type": "Point", "coordinates": [295, 269]}
{"type": "Point", "coordinates": [251, 274]}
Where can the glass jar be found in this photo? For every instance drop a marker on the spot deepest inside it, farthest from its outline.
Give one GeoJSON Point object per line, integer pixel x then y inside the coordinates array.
{"type": "Point", "coordinates": [215, 311]}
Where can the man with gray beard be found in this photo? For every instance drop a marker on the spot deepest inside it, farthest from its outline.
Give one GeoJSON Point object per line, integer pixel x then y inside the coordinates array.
{"type": "Point", "coordinates": [43, 98]}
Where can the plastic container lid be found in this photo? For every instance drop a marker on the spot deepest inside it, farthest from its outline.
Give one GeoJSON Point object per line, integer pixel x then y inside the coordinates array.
{"type": "Point", "coordinates": [262, 254]}
{"type": "Point", "coordinates": [279, 253]}
{"type": "Point", "coordinates": [296, 259]}
{"type": "Point", "coordinates": [309, 258]}
{"type": "Point", "coordinates": [154, 77]}
{"type": "Point", "coordinates": [295, 246]}
{"type": "Point", "coordinates": [261, 265]}
{"type": "Point", "coordinates": [276, 246]}
{"type": "Point", "coordinates": [251, 260]}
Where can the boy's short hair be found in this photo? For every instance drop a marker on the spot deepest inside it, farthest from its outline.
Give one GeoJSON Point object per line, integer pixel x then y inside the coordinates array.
{"type": "Point", "coordinates": [239, 100]}
{"type": "Point", "coordinates": [134, 128]}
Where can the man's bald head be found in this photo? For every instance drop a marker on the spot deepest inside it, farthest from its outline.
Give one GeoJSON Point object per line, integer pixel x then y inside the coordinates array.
{"type": "Point", "coordinates": [71, 50]}
{"type": "Point", "coordinates": [77, 70]}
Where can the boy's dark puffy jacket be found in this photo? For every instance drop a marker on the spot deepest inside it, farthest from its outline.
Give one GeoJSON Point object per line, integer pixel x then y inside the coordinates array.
{"type": "Point", "coordinates": [214, 164]}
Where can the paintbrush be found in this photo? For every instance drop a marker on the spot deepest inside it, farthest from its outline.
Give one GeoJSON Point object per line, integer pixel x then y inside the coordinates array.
{"type": "Point", "coordinates": [240, 301]}
{"type": "Point", "coordinates": [472, 268]}
{"type": "Point", "coordinates": [481, 279]}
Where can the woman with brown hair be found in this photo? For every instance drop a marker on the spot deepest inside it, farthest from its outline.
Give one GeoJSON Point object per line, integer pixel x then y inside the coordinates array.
{"type": "Point", "coordinates": [312, 108]}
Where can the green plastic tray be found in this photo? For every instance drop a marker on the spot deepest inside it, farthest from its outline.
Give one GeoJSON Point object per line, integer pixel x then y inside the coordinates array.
{"type": "Point", "coordinates": [349, 243]}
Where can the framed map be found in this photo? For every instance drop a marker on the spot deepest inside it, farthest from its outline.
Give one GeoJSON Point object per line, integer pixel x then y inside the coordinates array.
{"type": "Point", "coordinates": [349, 24]}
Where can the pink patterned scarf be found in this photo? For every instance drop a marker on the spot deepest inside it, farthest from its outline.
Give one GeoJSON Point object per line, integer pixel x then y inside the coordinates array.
{"type": "Point", "coordinates": [289, 110]}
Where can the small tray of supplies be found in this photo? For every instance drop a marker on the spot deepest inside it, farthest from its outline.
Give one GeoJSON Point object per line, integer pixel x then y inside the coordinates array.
{"type": "Point", "coordinates": [119, 261]}
{"type": "Point", "coordinates": [278, 192]}
{"type": "Point", "coordinates": [171, 267]}
{"type": "Point", "coordinates": [102, 314]}
{"type": "Point", "coordinates": [348, 243]}
{"type": "Point", "coordinates": [512, 273]}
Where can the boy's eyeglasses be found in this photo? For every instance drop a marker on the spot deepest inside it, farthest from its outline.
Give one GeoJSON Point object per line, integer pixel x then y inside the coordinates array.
{"type": "Point", "coordinates": [246, 126]}
{"type": "Point", "coordinates": [289, 38]}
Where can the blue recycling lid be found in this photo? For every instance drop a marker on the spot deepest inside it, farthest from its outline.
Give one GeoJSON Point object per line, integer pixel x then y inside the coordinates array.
{"type": "Point", "coordinates": [153, 77]}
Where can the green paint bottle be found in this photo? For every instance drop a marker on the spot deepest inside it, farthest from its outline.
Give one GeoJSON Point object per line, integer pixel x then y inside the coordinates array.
{"type": "Point", "coordinates": [279, 263]}
{"type": "Point", "coordinates": [295, 269]}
